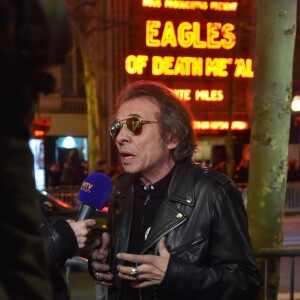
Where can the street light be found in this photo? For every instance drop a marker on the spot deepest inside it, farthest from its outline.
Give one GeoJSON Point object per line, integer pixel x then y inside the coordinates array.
{"type": "Point", "coordinates": [296, 103]}
{"type": "Point", "coordinates": [296, 118]}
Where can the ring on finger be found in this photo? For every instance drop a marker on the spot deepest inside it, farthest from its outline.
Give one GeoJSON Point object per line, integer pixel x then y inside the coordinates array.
{"type": "Point", "coordinates": [98, 277]}
{"type": "Point", "coordinates": [134, 272]}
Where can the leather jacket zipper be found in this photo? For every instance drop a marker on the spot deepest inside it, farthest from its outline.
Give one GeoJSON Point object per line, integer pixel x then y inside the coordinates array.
{"type": "Point", "coordinates": [164, 233]}
{"type": "Point", "coordinates": [147, 199]}
{"type": "Point", "coordinates": [155, 241]}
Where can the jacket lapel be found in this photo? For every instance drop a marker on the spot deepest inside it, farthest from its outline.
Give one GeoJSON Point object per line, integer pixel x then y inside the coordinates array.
{"type": "Point", "coordinates": [170, 215]}
{"type": "Point", "coordinates": [124, 194]}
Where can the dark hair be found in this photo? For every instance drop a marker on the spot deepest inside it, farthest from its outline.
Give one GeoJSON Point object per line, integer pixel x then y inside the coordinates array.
{"type": "Point", "coordinates": [175, 118]}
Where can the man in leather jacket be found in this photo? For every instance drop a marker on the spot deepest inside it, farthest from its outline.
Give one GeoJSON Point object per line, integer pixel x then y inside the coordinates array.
{"type": "Point", "coordinates": [176, 230]}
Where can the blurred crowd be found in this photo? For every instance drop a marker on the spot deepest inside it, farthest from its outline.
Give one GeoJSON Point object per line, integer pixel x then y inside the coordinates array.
{"type": "Point", "coordinates": [293, 173]}
{"type": "Point", "coordinates": [241, 170]}
{"type": "Point", "coordinates": [73, 171]}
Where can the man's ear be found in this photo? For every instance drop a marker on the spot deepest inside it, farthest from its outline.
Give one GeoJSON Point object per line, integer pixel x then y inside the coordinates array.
{"type": "Point", "coordinates": [172, 144]}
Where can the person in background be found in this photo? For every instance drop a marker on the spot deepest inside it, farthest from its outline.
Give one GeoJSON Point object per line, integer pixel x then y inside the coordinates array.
{"type": "Point", "coordinates": [293, 173]}
{"type": "Point", "coordinates": [71, 173]}
{"type": "Point", "coordinates": [102, 167]}
{"type": "Point", "coordinates": [54, 174]}
{"type": "Point", "coordinates": [241, 172]}
{"type": "Point", "coordinates": [176, 229]}
{"type": "Point", "coordinates": [62, 240]}
{"type": "Point", "coordinates": [221, 167]}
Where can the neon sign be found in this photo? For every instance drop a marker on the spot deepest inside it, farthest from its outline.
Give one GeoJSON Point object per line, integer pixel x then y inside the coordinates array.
{"type": "Point", "coordinates": [220, 125]}
{"type": "Point", "coordinates": [195, 52]}
{"type": "Point", "coordinates": [188, 35]}
{"type": "Point", "coordinates": [188, 66]}
{"type": "Point", "coordinates": [200, 95]}
{"type": "Point", "coordinates": [192, 5]}
{"type": "Point", "coordinates": [209, 95]}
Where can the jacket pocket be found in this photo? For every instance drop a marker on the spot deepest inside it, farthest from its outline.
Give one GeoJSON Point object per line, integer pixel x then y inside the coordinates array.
{"type": "Point", "coordinates": [192, 251]}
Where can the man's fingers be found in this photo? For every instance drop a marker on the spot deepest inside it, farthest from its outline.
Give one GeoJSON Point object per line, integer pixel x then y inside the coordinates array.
{"type": "Point", "coordinates": [141, 259]}
{"type": "Point", "coordinates": [133, 271]}
{"type": "Point", "coordinates": [103, 278]}
{"type": "Point", "coordinates": [162, 249]}
{"type": "Point", "coordinates": [96, 255]}
{"type": "Point", "coordinates": [103, 268]}
{"type": "Point", "coordinates": [135, 258]}
{"type": "Point", "coordinates": [105, 240]}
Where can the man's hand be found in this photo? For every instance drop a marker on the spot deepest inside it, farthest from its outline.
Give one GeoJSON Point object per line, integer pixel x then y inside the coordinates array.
{"type": "Point", "coordinates": [151, 269]}
{"type": "Point", "coordinates": [99, 265]}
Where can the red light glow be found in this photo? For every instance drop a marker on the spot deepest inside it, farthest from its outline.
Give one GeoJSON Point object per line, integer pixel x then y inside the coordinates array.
{"type": "Point", "coordinates": [39, 133]}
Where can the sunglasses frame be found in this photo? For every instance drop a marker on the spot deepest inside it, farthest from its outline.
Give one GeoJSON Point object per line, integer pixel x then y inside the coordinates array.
{"type": "Point", "coordinates": [117, 125]}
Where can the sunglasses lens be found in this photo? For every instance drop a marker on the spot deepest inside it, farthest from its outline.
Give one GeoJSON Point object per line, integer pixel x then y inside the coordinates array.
{"type": "Point", "coordinates": [134, 125]}
{"type": "Point", "coordinates": [114, 129]}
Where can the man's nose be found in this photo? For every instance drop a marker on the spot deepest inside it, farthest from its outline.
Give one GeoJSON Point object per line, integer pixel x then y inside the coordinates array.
{"type": "Point", "coordinates": [123, 135]}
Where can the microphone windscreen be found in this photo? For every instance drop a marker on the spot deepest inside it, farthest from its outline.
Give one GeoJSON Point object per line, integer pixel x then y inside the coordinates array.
{"type": "Point", "coordinates": [95, 189]}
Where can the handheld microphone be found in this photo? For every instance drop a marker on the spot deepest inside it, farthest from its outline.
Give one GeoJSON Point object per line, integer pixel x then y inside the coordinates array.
{"type": "Point", "coordinates": [93, 194]}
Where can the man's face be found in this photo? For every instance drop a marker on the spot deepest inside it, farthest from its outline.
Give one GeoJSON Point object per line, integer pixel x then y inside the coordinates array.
{"type": "Point", "coordinates": [145, 154]}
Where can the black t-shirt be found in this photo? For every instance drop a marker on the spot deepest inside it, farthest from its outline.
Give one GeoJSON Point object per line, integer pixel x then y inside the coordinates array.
{"type": "Point", "coordinates": [146, 203]}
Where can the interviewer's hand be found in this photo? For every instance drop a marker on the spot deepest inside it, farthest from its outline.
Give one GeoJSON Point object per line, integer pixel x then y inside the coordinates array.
{"type": "Point", "coordinates": [151, 268]}
{"type": "Point", "coordinates": [81, 230]}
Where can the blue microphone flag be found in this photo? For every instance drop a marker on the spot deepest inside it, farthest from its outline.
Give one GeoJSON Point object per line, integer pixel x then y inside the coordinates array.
{"type": "Point", "coordinates": [95, 189]}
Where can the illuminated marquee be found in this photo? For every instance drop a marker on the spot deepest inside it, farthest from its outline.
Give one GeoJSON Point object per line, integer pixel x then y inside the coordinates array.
{"type": "Point", "coordinates": [200, 95]}
{"type": "Point", "coordinates": [188, 66]}
{"type": "Point", "coordinates": [188, 35]}
{"type": "Point", "coordinates": [192, 5]}
{"type": "Point", "coordinates": [220, 125]}
{"type": "Point", "coordinates": [195, 54]}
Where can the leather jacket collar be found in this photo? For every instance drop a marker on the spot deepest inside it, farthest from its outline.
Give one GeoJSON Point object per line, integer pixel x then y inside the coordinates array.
{"type": "Point", "coordinates": [169, 216]}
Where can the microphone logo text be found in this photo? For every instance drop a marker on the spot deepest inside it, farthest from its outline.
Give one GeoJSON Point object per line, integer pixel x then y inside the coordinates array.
{"type": "Point", "coordinates": [86, 187]}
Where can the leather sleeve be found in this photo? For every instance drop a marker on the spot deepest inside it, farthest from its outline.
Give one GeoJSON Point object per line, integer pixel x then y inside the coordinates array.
{"type": "Point", "coordinates": [229, 271]}
{"type": "Point", "coordinates": [60, 241]}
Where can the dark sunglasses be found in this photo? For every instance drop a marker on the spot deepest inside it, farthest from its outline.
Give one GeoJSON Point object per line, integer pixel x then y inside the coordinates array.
{"type": "Point", "coordinates": [134, 125]}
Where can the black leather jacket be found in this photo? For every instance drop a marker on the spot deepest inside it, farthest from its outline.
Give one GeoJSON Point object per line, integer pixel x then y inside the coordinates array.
{"type": "Point", "coordinates": [205, 223]}
{"type": "Point", "coordinates": [60, 244]}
